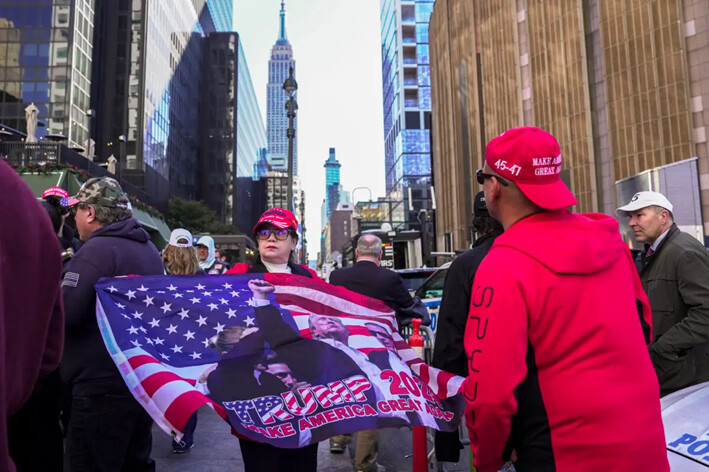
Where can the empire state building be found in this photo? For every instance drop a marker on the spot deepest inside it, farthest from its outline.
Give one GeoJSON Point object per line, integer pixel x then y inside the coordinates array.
{"type": "Point", "coordinates": [277, 121]}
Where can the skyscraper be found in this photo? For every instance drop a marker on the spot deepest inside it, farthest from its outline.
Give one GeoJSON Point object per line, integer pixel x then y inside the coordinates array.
{"type": "Point", "coordinates": [222, 13]}
{"type": "Point", "coordinates": [45, 59]}
{"type": "Point", "coordinates": [277, 121]}
{"type": "Point", "coordinates": [332, 184]}
{"type": "Point", "coordinates": [407, 105]}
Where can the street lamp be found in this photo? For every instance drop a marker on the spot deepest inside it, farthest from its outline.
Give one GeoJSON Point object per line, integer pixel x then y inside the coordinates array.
{"type": "Point", "coordinates": [121, 154]}
{"type": "Point", "coordinates": [290, 86]}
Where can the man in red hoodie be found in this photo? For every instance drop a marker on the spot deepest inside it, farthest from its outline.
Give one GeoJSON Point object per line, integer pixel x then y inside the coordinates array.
{"type": "Point", "coordinates": [559, 374]}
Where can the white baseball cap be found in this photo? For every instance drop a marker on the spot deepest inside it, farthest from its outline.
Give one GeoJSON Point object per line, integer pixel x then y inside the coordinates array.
{"type": "Point", "coordinates": [177, 235]}
{"type": "Point", "coordinates": [643, 200]}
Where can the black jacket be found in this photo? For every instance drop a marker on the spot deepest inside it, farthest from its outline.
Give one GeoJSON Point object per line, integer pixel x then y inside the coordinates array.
{"type": "Point", "coordinates": [448, 350]}
{"type": "Point", "coordinates": [367, 278]}
{"type": "Point", "coordinates": [122, 248]}
{"type": "Point", "coordinates": [676, 280]}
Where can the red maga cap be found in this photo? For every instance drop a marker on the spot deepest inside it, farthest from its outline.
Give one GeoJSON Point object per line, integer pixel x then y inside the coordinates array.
{"type": "Point", "coordinates": [530, 157]}
{"type": "Point", "coordinates": [278, 217]}
{"type": "Point", "coordinates": [55, 192]}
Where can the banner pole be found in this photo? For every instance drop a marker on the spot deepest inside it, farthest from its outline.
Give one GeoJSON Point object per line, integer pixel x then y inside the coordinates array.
{"type": "Point", "coordinates": [420, 446]}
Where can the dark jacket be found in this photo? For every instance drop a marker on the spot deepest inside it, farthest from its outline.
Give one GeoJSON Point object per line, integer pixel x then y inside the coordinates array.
{"type": "Point", "coordinates": [676, 280]}
{"type": "Point", "coordinates": [367, 278]}
{"type": "Point", "coordinates": [448, 350]}
{"type": "Point", "coordinates": [31, 318]}
{"type": "Point", "coordinates": [122, 248]}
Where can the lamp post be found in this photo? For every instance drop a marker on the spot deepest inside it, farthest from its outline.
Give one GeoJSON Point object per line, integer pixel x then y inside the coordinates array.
{"type": "Point", "coordinates": [290, 86]}
{"type": "Point", "coordinates": [121, 154]}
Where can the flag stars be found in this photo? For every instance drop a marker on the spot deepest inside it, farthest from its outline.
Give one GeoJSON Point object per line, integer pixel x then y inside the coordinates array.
{"type": "Point", "coordinates": [166, 307]}
{"type": "Point", "coordinates": [177, 295]}
{"type": "Point", "coordinates": [227, 286]}
{"type": "Point", "coordinates": [194, 300]}
{"type": "Point", "coordinates": [158, 341]}
{"type": "Point", "coordinates": [196, 355]}
{"type": "Point", "coordinates": [165, 356]}
{"type": "Point", "coordinates": [231, 313]}
{"type": "Point", "coordinates": [172, 288]}
{"type": "Point", "coordinates": [133, 330]}
{"type": "Point", "coordinates": [175, 349]}
{"type": "Point", "coordinates": [201, 320]}
{"type": "Point", "coordinates": [136, 343]}
{"type": "Point", "coordinates": [172, 329]}
{"type": "Point", "coordinates": [142, 288]}
{"type": "Point", "coordinates": [120, 306]}
{"type": "Point", "coordinates": [234, 293]}
{"type": "Point", "coordinates": [189, 335]}
{"type": "Point", "coordinates": [213, 306]}
{"type": "Point", "coordinates": [249, 321]}
{"type": "Point", "coordinates": [149, 341]}
{"type": "Point", "coordinates": [130, 294]}
{"type": "Point", "coordinates": [223, 301]}
{"type": "Point", "coordinates": [183, 314]}
{"type": "Point", "coordinates": [206, 342]}
{"type": "Point", "coordinates": [112, 289]}
{"type": "Point", "coordinates": [148, 301]}
{"type": "Point", "coordinates": [206, 294]}
{"type": "Point", "coordinates": [219, 328]}
{"type": "Point", "coordinates": [154, 324]}
{"type": "Point", "coordinates": [200, 287]}
{"type": "Point", "coordinates": [137, 315]}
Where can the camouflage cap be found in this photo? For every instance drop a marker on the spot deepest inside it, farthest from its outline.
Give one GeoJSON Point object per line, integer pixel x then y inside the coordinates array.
{"type": "Point", "coordinates": [103, 191]}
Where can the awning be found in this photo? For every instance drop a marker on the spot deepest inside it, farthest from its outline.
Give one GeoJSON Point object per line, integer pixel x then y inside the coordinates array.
{"type": "Point", "coordinates": [38, 183]}
{"type": "Point", "coordinates": [158, 229]}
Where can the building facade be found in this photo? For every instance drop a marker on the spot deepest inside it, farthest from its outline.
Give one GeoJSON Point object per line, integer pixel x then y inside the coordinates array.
{"type": "Point", "coordinates": [406, 105]}
{"type": "Point", "coordinates": [624, 87]}
{"type": "Point", "coordinates": [222, 13]}
{"type": "Point", "coordinates": [332, 184]}
{"type": "Point", "coordinates": [46, 55]}
{"type": "Point", "coordinates": [279, 65]}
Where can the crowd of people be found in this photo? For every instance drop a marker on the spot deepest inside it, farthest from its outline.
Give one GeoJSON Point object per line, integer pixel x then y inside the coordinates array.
{"type": "Point", "coordinates": [566, 342]}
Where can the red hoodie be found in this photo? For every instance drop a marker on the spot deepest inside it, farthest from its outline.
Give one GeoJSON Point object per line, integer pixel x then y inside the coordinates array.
{"type": "Point", "coordinates": [559, 370]}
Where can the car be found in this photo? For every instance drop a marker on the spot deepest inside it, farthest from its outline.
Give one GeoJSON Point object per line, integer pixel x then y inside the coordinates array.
{"type": "Point", "coordinates": [413, 278]}
{"type": "Point", "coordinates": [684, 414]}
{"type": "Point", "coordinates": [431, 292]}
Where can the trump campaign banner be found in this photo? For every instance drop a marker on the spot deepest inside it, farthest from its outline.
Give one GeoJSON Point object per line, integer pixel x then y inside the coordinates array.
{"type": "Point", "coordinates": [285, 359]}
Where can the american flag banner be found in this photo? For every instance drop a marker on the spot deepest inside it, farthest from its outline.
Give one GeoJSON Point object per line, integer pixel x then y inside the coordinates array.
{"type": "Point", "coordinates": [284, 359]}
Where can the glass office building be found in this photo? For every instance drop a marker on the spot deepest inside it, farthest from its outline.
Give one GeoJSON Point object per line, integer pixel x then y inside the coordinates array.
{"type": "Point", "coordinates": [406, 88]}
{"type": "Point", "coordinates": [276, 120]}
{"type": "Point", "coordinates": [222, 13]}
{"type": "Point", "coordinates": [45, 59]}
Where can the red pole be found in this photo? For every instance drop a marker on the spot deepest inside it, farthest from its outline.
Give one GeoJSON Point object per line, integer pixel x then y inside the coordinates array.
{"type": "Point", "coordinates": [420, 446]}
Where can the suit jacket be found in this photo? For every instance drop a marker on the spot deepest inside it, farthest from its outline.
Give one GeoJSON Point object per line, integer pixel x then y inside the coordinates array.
{"type": "Point", "coordinates": [367, 278]}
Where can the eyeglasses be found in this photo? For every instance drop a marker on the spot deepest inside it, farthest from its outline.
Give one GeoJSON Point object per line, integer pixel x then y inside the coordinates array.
{"type": "Point", "coordinates": [75, 208]}
{"type": "Point", "coordinates": [481, 176]}
{"type": "Point", "coordinates": [280, 234]}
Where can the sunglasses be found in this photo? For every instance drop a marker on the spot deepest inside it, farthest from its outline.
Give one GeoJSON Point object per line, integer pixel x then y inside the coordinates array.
{"type": "Point", "coordinates": [280, 234]}
{"type": "Point", "coordinates": [481, 176]}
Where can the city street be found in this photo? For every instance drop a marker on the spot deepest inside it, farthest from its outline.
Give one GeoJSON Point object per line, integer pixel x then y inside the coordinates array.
{"type": "Point", "coordinates": [216, 450]}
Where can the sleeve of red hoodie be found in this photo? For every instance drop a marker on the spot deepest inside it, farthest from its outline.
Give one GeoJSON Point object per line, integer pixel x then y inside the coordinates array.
{"type": "Point", "coordinates": [496, 346]}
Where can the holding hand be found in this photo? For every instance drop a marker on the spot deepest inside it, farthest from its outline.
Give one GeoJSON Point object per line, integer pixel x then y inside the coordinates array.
{"type": "Point", "coordinates": [261, 288]}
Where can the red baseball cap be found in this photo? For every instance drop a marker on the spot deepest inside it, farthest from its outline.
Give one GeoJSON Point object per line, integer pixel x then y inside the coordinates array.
{"type": "Point", "coordinates": [530, 157]}
{"type": "Point", "coordinates": [55, 192]}
{"type": "Point", "coordinates": [278, 217]}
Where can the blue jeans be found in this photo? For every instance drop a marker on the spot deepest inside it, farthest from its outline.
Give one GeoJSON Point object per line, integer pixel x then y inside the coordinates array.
{"type": "Point", "coordinates": [188, 437]}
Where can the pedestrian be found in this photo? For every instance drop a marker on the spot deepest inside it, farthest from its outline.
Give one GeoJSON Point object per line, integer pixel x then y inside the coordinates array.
{"type": "Point", "coordinates": [180, 258]}
{"type": "Point", "coordinates": [448, 350]}
{"type": "Point", "coordinates": [108, 429]}
{"type": "Point", "coordinates": [276, 232]}
{"type": "Point", "coordinates": [674, 270]}
{"type": "Point", "coordinates": [559, 375]}
{"type": "Point", "coordinates": [31, 329]}
{"type": "Point", "coordinates": [368, 278]}
{"type": "Point", "coordinates": [54, 202]}
{"type": "Point", "coordinates": [207, 260]}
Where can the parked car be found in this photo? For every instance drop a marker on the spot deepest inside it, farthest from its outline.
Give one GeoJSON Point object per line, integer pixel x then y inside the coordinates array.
{"type": "Point", "coordinates": [413, 278]}
{"type": "Point", "coordinates": [684, 414]}
{"type": "Point", "coordinates": [431, 291]}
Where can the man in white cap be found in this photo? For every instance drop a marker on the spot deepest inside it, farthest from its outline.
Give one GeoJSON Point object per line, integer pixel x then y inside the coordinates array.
{"type": "Point", "coordinates": [674, 271]}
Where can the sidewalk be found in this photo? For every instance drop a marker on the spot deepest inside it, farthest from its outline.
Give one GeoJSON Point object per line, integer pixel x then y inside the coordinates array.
{"type": "Point", "coordinates": [216, 450]}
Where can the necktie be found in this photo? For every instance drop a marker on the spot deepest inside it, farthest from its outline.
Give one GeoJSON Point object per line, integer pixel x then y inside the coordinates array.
{"type": "Point", "coordinates": [650, 252]}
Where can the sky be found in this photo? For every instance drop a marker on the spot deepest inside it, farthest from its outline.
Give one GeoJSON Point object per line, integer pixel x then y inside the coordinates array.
{"type": "Point", "coordinates": [336, 45]}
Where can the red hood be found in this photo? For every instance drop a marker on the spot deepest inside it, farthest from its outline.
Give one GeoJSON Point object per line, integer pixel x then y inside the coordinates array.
{"type": "Point", "coordinates": [565, 242]}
